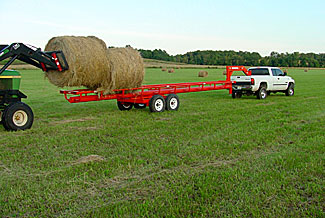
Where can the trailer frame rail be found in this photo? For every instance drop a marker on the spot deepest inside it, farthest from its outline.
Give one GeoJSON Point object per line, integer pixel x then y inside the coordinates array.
{"type": "Point", "coordinates": [143, 94]}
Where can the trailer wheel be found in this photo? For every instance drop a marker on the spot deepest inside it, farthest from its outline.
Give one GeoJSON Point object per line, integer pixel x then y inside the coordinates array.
{"type": "Point", "coordinates": [140, 106]}
{"type": "Point", "coordinates": [236, 94]}
{"type": "Point", "coordinates": [17, 116]}
{"type": "Point", "coordinates": [157, 103]}
{"type": "Point", "coordinates": [290, 90]}
{"type": "Point", "coordinates": [124, 106]}
{"type": "Point", "coordinates": [261, 93]}
{"type": "Point", "coordinates": [172, 102]}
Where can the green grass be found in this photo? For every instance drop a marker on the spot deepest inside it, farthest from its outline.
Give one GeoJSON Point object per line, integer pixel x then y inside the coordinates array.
{"type": "Point", "coordinates": [215, 157]}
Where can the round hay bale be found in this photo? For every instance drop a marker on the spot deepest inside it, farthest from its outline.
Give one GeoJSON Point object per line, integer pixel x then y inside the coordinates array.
{"type": "Point", "coordinates": [305, 70]}
{"type": "Point", "coordinates": [171, 70]}
{"type": "Point", "coordinates": [224, 73]}
{"type": "Point", "coordinates": [178, 67]}
{"type": "Point", "coordinates": [203, 73]}
{"type": "Point", "coordinates": [87, 60]}
{"type": "Point", "coordinates": [164, 69]}
{"type": "Point", "coordinates": [127, 69]}
{"type": "Point", "coordinates": [92, 65]}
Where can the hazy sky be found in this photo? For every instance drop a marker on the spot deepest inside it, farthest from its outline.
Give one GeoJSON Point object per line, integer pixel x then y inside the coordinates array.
{"type": "Point", "coordinates": [176, 26]}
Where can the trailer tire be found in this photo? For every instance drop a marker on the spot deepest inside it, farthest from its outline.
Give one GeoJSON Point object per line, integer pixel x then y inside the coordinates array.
{"type": "Point", "coordinates": [17, 116]}
{"type": "Point", "coordinates": [290, 90]}
{"type": "Point", "coordinates": [261, 93]}
{"type": "Point", "coordinates": [172, 102]}
{"type": "Point", "coordinates": [124, 106]}
{"type": "Point", "coordinates": [140, 106]}
{"type": "Point", "coordinates": [157, 103]}
{"type": "Point", "coordinates": [236, 94]}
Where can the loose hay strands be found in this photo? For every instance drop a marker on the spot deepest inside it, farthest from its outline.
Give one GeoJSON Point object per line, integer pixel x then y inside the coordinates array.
{"type": "Point", "coordinates": [203, 73]}
{"type": "Point", "coordinates": [89, 158]}
{"type": "Point", "coordinates": [92, 65]}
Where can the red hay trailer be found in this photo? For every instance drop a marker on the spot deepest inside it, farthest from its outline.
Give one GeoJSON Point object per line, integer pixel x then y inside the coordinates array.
{"type": "Point", "coordinates": [158, 97]}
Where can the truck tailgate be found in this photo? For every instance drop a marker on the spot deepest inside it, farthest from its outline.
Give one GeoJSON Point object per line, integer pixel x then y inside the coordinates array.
{"type": "Point", "coordinates": [241, 82]}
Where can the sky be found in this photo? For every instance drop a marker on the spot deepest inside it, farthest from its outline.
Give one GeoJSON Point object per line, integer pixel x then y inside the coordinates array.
{"type": "Point", "coordinates": [177, 26]}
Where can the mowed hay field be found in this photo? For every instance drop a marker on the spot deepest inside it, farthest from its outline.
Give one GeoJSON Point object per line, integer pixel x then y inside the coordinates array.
{"type": "Point", "coordinates": [215, 157]}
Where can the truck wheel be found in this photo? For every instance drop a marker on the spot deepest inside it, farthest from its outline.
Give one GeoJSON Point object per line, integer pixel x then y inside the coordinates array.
{"type": "Point", "coordinates": [290, 90]}
{"type": "Point", "coordinates": [17, 116]}
{"type": "Point", "coordinates": [157, 103]}
{"type": "Point", "coordinates": [139, 106]}
{"type": "Point", "coordinates": [236, 94]}
{"type": "Point", "coordinates": [124, 106]}
{"type": "Point", "coordinates": [172, 102]}
{"type": "Point", "coordinates": [261, 93]}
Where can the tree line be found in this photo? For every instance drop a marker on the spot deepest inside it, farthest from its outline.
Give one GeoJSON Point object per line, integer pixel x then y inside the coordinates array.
{"type": "Point", "coordinates": [210, 57]}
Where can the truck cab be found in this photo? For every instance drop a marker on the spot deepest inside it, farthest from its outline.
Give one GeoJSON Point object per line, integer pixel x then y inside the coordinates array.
{"type": "Point", "coordinates": [262, 81]}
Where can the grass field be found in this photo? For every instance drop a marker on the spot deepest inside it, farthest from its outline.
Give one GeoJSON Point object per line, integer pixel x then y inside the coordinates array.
{"type": "Point", "coordinates": [215, 157]}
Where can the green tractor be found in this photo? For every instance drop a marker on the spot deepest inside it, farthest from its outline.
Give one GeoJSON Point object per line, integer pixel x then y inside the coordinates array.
{"type": "Point", "coordinates": [14, 114]}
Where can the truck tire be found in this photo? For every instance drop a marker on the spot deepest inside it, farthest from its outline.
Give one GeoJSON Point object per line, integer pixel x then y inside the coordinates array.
{"type": "Point", "coordinates": [261, 93]}
{"type": "Point", "coordinates": [157, 103]}
{"type": "Point", "coordinates": [290, 90]}
{"type": "Point", "coordinates": [124, 106]}
{"type": "Point", "coordinates": [236, 94]}
{"type": "Point", "coordinates": [17, 116]}
{"type": "Point", "coordinates": [172, 102]}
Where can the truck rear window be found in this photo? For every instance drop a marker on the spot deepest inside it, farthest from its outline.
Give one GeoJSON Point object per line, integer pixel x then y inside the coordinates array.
{"type": "Point", "coordinates": [260, 71]}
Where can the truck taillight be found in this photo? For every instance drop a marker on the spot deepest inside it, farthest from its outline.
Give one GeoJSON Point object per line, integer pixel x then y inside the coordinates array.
{"type": "Point", "coordinates": [252, 81]}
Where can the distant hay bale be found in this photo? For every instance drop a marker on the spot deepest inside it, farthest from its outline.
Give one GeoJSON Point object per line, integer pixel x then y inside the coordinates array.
{"type": "Point", "coordinates": [178, 67]}
{"type": "Point", "coordinates": [305, 70]}
{"type": "Point", "coordinates": [203, 73]}
{"type": "Point", "coordinates": [127, 69]}
{"type": "Point", "coordinates": [171, 70]}
{"type": "Point", "coordinates": [224, 73]}
{"type": "Point", "coordinates": [92, 65]}
{"type": "Point", "coordinates": [164, 69]}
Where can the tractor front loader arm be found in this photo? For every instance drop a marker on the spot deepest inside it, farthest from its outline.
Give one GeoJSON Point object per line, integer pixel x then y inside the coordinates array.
{"type": "Point", "coordinates": [49, 60]}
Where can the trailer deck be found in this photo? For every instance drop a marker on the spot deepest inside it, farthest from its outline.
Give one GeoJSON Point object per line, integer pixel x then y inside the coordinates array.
{"type": "Point", "coordinates": [157, 96]}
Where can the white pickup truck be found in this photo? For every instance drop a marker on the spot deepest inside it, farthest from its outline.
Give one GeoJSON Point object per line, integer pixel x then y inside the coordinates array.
{"type": "Point", "coordinates": [262, 82]}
